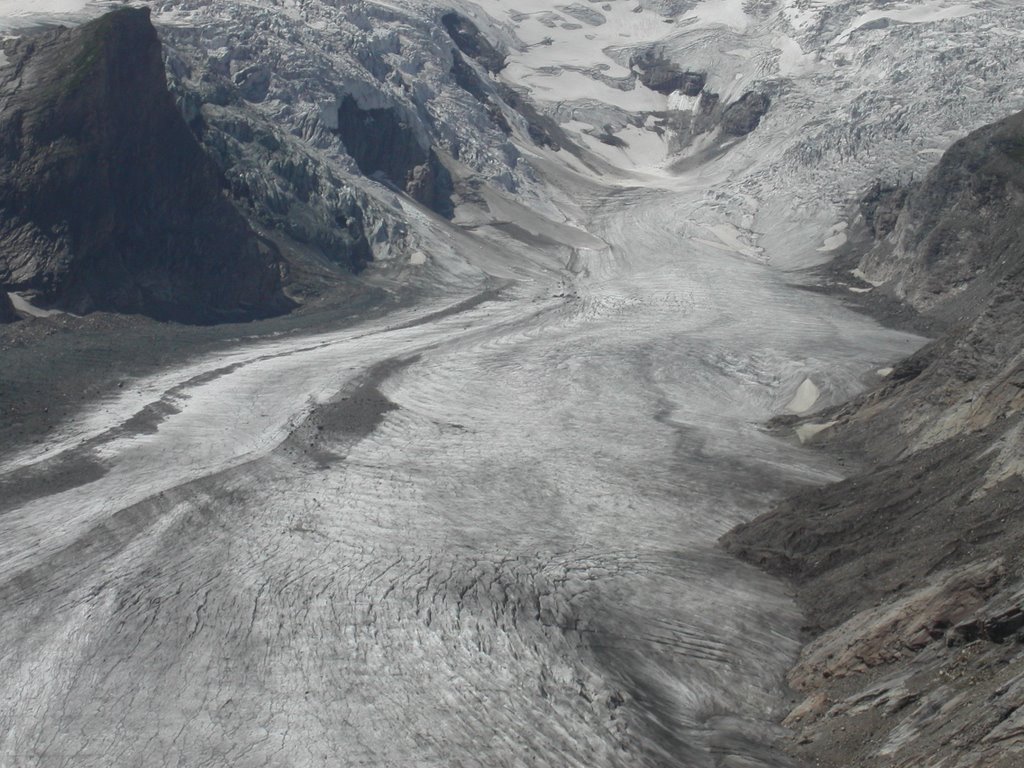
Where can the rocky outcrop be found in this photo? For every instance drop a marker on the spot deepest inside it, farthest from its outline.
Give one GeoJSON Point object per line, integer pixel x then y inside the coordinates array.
{"type": "Point", "coordinates": [467, 36]}
{"type": "Point", "coordinates": [959, 232]}
{"type": "Point", "coordinates": [737, 118]}
{"type": "Point", "coordinates": [542, 130]}
{"type": "Point", "coordinates": [881, 206]}
{"type": "Point", "coordinates": [7, 313]}
{"type": "Point", "coordinates": [744, 115]}
{"type": "Point", "coordinates": [712, 125]}
{"type": "Point", "coordinates": [382, 142]}
{"type": "Point", "coordinates": [107, 201]}
{"type": "Point", "coordinates": [664, 76]}
{"type": "Point", "coordinates": [911, 573]}
{"type": "Point", "coordinates": [287, 192]}
{"type": "Point", "coordinates": [467, 79]}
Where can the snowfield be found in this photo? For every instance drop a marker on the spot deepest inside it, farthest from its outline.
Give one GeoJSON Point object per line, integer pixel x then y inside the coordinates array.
{"type": "Point", "coordinates": [482, 532]}
{"type": "Point", "coordinates": [15, 14]}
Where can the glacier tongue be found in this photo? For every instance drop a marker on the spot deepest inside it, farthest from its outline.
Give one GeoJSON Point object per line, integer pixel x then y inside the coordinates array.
{"type": "Point", "coordinates": [482, 531]}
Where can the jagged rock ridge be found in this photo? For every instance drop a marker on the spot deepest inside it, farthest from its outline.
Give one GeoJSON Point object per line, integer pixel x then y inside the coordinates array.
{"type": "Point", "coordinates": [107, 202]}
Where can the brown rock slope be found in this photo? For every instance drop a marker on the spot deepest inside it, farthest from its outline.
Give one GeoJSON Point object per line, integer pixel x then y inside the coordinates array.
{"type": "Point", "coordinates": [107, 201]}
{"type": "Point", "coordinates": [912, 573]}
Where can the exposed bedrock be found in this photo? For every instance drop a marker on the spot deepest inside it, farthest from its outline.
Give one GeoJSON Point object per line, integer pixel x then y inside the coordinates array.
{"type": "Point", "coordinates": [712, 122]}
{"type": "Point", "coordinates": [881, 207]}
{"type": "Point", "coordinates": [543, 130]}
{"type": "Point", "coordinates": [664, 76]}
{"type": "Point", "coordinates": [913, 571]}
{"type": "Point", "coordinates": [744, 115]}
{"type": "Point", "coordinates": [737, 118]}
{"type": "Point", "coordinates": [107, 201]}
{"type": "Point", "coordinates": [471, 41]}
{"type": "Point", "coordinates": [7, 313]}
{"type": "Point", "coordinates": [382, 142]}
{"type": "Point", "coordinates": [961, 230]}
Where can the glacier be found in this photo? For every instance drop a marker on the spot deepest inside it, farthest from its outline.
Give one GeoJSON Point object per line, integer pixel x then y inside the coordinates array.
{"type": "Point", "coordinates": [481, 530]}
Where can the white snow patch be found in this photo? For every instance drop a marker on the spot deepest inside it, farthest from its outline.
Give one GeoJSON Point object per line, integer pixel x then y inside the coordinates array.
{"type": "Point", "coordinates": [793, 62]}
{"type": "Point", "coordinates": [836, 236]}
{"type": "Point", "coordinates": [806, 431]}
{"type": "Point", "coordinates": [35, 7]}
{"type": "Point", "coordinates": [806, 396]}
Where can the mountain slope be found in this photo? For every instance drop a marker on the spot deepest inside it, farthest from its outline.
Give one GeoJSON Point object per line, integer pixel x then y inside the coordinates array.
{"type": "Point", "coordinates": [106, 199]}
{"type": "Point", "coordinates": [960, 230]}
{"type": "Point", "coordinates": [912, 573]}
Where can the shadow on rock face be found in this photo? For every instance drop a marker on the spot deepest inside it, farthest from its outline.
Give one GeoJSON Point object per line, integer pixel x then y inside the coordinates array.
{"type": "Point", "coordinates": [381, 142]}
{"type": "Point", "coordinates": [744, 115]}
{"type": "Point", "coordinates": [659, 74]}
{"type": "Point", "coordinates": [7, 313]}
{"type": "Point", "coordinates": [107, 201]}
{"type": "Point", "coordinates": [470, 41]}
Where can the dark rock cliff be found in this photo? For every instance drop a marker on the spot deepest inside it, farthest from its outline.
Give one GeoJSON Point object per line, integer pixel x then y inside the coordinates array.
{"type": "Point", "coordinates": [467, 36]}
{"type": "Point", "coordinates": [912, 572]}
{"type": "Point", "coordinates": [960, 231]}
{"type": "Point", "coordinates": [107, 201]}
{"type": "Point", "coordinates": [744, 115]}
{"type": "Point", "coordinates": [7, 313]}
{"type": "Point", "coordinates": [382, 142]}
{"type": "Point", "coordinates": [664, 76]}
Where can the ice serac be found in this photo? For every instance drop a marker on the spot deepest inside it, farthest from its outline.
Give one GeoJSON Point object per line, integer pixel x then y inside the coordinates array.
{"type": "Point", "coordinates": [107, 201]}
{"type": "Point", "coordinates": [906, 566]}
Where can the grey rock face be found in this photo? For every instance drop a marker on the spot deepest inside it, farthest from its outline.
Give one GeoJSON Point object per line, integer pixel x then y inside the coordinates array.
{"type": "Point", "coordinates": [881, 207]}
{"type": "Point", "coordinates": [887, 563]}
{"type": "Point", "coordinates": [733, 119]}
{"type": "Point", "coordinates": [298, 154]}
{"type": "Point", "coordinates": [382, 142]}
{"type": "Point", "coordinates": [467, 78]}
{"type": "Point", "coordinates": [744, 115]}
{"type": "Point", "coordinates": [543, 130]}
{"type": "Point", "coordinates": [960, 231]}
{"type": "Point", "coordinates": [107, 201]}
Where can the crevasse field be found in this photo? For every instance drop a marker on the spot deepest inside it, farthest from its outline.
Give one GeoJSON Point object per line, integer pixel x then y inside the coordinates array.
{"type": "Point", "coordinates": [481, 531]}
